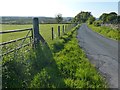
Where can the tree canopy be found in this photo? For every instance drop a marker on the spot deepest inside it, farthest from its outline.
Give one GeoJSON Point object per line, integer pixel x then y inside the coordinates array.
{"type": "Point", "coordinates": [59, 18]}
{"type": "Point", "coordinates": [82, 17]}
{"type": "Point", "coordinates": [109, 18]}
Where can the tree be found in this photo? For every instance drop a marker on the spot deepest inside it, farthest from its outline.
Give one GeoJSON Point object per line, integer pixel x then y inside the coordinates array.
{"type": "Point", "coordinates": [59, 18]}
{"type": "Point", "coordinates": [103, 17]}
{"type": "Point", "coordinates": [109, 18]}
{"type": "Point", "coordinates": [82, 17]}
{"type": "Point", "coordinates": [112, 18]}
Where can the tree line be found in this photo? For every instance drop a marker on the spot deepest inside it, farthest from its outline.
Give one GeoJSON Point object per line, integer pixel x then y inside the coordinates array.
{"type": "Point", "coordinates": [28, 20]}
{"type": "Point", "coordinates": [105, 18]}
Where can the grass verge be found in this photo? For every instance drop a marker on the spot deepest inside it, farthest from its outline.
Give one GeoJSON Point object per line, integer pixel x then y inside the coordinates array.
{"type": "Point", "coordinates": [106, 31]}
{"type": "Point", "coordinates": [75, 67]}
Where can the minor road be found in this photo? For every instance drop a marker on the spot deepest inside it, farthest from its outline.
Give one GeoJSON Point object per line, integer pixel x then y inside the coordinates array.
{"type": "Point", "coordinates": [102, 52]}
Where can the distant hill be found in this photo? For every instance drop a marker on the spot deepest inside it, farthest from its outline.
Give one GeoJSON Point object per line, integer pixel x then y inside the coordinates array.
{"type": "Point", "coordinates": [28, 20]}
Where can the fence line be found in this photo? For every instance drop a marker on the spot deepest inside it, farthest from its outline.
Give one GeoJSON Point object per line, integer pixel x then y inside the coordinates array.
{"type": "Point", "coordinates": [15, 49]}
{"type": "Point", "coordinates": [63, 30]}
{"type": "Point", "coordinates": [11, 41]}
{"type": "Point", "coordinates": [12, 31]}
{"type": "Point", "coordinates": [35, 36]}
{"type": "Point", "coordinates": [16, 40]}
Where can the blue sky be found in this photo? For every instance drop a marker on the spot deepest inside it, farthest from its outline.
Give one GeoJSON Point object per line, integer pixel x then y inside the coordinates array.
{"type": "Point", "coordinates": [97, 8]}
{"type": "Point", "coordinates": [50, 8]}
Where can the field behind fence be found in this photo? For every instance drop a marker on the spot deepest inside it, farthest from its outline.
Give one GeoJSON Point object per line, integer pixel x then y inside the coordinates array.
{"type": "Point", "coordinates": [14, 37]}
{"type": "Point", "coordinates": [17, 41]}
{"type": "Point", "coordinates": [60, 64]}
{"type": "Point", "coordinates": [44, 29]}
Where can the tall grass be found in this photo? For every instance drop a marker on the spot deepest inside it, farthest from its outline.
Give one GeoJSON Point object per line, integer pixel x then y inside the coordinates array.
{"type": "Point", "coordinates": [106, 31]}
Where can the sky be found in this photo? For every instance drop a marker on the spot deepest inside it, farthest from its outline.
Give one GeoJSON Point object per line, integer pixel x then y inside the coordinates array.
{"type": "Point", "coordinates": [50, 8]}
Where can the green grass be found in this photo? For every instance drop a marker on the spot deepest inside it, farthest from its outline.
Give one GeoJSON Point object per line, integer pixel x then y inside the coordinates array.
{"type": "Point", "coordinates": [17, 72]}
{"type": "Point", "coordinates": [11, 36]}
{"type": "Point", "coordinates": [74, 65]}
{"type": "Point", "coordinates": [106, 31]}
{"type": "Point", "coordinates": [45, 31]}
{"type": "Point", "coordinates": [61, 64]}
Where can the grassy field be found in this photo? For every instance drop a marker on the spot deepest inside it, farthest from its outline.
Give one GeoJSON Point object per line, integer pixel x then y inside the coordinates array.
{"type": "Point", "coordinates": [106, 31]}
{"type": "Point", "coordinates": [61, 64]}
{"type": "Point", "coordinates": [45, 31]}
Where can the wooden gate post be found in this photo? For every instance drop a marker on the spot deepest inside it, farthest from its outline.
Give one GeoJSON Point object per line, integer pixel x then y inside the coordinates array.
{"type": "Point", "coordinates": [58, 31]}
{"type": "Point", "coordinates": [36, 35]}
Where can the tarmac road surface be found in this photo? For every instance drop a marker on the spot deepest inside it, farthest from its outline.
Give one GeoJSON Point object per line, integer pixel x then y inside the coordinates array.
{"type": "Point", "coordinates": [102, 52]}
